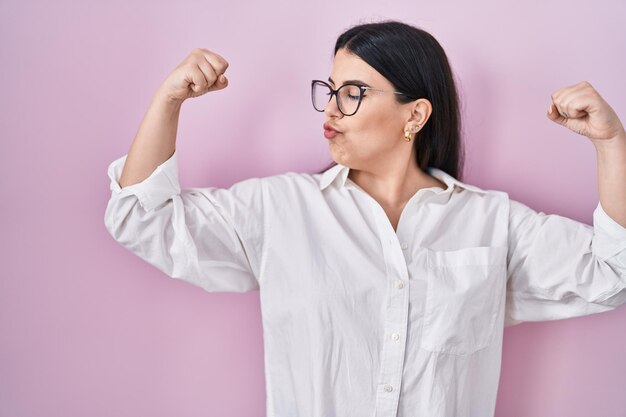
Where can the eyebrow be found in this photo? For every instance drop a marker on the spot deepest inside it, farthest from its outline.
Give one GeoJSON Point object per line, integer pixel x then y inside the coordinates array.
{"type": "Point", "coordinates": [351, 82]}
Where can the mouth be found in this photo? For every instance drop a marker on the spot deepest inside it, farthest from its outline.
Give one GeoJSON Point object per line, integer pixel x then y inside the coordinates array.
{"type": "Point", "coordinates": [329, 131]}
{"type": "Point", "coordinates": [329, 134]}
{"type": "Point", "coordinates": [328, 126]}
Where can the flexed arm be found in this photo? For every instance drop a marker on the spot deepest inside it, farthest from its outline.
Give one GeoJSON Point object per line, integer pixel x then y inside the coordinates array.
{"type": "Point", "coordinates": [580, 108]}
{"type": "Point", "coordinates": [558, 267]}
{"type": "Point", "coordinates": [202, 71]}
{"type": "Point", "coordinates": [211, 237]}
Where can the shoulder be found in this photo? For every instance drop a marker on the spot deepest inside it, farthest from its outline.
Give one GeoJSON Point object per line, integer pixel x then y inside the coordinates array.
{"type": "Point", "coordinates": [479, 204]}
{"type": "Point", "coordinates": [475, 192]}
{"type": "Point", "coordinates": [462, 189]}
{"type": "Point", "coordinates": [279, 188]}
{"type": "Point", "coordinates": [292, 181]}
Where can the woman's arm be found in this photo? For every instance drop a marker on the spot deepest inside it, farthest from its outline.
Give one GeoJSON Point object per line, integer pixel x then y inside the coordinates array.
{"type": "Point", "coordinates": [211, 237]}
{"type": "Point", "coordinates": [581, 109]}
{"type": "Point", "coordinates": [202, 71]}
{"type": "Point", "coordinates": [560, 268]}
{"type": "Point", "coordinates": [155, 141]}
{"type": "Point", "coordinates": [612, 177]}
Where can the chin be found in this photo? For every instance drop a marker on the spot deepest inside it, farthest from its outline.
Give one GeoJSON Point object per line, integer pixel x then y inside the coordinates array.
{"type": "Point", "coordinates": [339, 156]}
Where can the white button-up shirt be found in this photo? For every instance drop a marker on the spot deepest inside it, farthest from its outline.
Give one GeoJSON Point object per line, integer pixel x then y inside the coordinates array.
{"type": "Point", "coordinates": [360, 320]}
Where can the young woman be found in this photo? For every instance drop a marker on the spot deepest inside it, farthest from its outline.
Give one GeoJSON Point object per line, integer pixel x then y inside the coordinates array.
{"type": "Point", "coordinates": [385, 281]}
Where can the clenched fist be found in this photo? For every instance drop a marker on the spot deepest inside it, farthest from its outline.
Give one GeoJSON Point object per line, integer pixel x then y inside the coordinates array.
{"type": "Point", "coordinates": [200, 72]}
{"type": "Point", "coordinates": [581, 109]}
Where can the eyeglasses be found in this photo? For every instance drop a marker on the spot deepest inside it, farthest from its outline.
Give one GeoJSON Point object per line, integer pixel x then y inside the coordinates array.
{"type": "Point", "coordinates": [348, 96]}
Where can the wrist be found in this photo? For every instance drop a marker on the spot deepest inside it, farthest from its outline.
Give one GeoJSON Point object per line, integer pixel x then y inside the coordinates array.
{"type": "Point", "coordinates": [166, 100]}
{"type": "Point", "coordinates": [616, 143]}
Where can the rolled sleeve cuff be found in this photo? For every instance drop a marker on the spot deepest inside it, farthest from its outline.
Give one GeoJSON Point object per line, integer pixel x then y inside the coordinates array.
{"type": "Point", "coordinates": [610, 236]}
{"type": "Point", "coordinates": [160, 186]}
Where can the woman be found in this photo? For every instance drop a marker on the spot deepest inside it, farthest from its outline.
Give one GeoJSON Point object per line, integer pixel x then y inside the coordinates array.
{"type": "Point", "coordinates": [385, 282]}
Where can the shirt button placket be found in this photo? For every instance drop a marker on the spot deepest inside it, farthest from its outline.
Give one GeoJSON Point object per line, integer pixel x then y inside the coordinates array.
{"type": "Point", "coordinates": [397, 307]}
{"type": "Point", "coordinates": [392, 360]}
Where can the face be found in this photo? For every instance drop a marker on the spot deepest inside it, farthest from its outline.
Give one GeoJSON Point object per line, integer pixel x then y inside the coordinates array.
{"type": "Point", "coordinates": [374, 136]}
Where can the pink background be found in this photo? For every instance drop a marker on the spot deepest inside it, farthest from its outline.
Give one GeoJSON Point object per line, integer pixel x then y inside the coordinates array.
{"type": "Point", "coordinates": [88, 329]}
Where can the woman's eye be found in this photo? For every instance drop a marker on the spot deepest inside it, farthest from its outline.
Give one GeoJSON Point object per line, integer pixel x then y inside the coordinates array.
{"type": "Point", "coordinates": [351, 97]}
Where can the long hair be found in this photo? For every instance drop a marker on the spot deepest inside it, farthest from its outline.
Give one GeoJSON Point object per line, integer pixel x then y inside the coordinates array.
{"type": "Point", "coordinates": [416, 64]}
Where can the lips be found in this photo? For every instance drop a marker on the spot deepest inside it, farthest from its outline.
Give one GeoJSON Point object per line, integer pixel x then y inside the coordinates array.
{"type": "Point", "coordinates": [327, 126]}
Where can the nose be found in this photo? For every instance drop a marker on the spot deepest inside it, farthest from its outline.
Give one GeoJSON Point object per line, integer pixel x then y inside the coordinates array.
{"type": "Point", "coordinates": [331, 108]}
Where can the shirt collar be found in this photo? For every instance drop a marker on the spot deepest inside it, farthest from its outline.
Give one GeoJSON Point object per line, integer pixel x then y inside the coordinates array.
{"type": "Point", "coordinates": [339, 174]}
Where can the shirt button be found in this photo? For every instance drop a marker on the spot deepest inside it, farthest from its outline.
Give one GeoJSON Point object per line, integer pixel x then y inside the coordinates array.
{"type": "Point", "coordinates": [395, 336]}
{"type": "Point", "coordinates": [404, 246]}
{"type": "Point", "coordinates": [388, 388]}
{"type": "Point", "coordinates": [400, 284]}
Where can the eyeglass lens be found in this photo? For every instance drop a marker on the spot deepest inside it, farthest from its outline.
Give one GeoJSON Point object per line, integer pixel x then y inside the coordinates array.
{"type": "Point", "coordinates": [348, 97]}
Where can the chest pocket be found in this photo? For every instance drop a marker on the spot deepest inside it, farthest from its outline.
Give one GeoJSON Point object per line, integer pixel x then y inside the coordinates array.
{"type": "Point", "coordinates": [465, 292]}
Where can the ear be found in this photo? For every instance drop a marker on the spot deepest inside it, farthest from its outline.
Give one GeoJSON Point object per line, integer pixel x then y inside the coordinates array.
{"type": "Point", "coordinates": [421, 110]}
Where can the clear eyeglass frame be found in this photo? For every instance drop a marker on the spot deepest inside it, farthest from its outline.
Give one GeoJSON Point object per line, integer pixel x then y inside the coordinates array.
{"type": "Point", "coordinates": [333, 92]}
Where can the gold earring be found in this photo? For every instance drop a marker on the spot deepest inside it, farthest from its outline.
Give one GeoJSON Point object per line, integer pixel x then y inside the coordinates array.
{"type": "Point", "coordinates": [407, 134]}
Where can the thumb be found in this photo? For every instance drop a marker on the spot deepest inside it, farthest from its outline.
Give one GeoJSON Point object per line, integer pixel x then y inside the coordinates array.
{"type": "Point", "coordinates": [220, 83]}
{"type": "Point", "coordinates": [555, 116]}
{"type": "Point", "coordinates": [577, 125]}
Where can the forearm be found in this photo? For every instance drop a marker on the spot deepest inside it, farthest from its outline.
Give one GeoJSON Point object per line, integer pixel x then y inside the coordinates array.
{"type": "Point", "coordinates": [155, 141]}
{"type": "Point", "coordinates": [612, 177]}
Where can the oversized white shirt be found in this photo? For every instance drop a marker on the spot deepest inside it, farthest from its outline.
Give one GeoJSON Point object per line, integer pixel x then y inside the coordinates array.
{"type": "Point", "coordinates": [360, 320]}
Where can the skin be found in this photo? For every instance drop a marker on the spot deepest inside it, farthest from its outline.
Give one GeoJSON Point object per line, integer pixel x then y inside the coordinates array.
{"type": "Point", "coordinates": [372, 141]}
{"type": "Point", "coordinates": [582, 109]}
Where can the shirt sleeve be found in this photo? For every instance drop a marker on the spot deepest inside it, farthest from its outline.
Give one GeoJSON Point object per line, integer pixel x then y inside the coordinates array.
{"type": "Point", "coordinates": [559, 268]}
{"type": "Point", "coordinates": [210, 237]}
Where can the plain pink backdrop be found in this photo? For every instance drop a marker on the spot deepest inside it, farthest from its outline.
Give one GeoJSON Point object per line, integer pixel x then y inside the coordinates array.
{"type": "Point", "coordinates": [88, 329]}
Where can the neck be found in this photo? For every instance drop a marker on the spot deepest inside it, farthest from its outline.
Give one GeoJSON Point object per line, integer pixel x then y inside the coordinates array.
{"type": "Point", "coordinates": [394, 187]}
